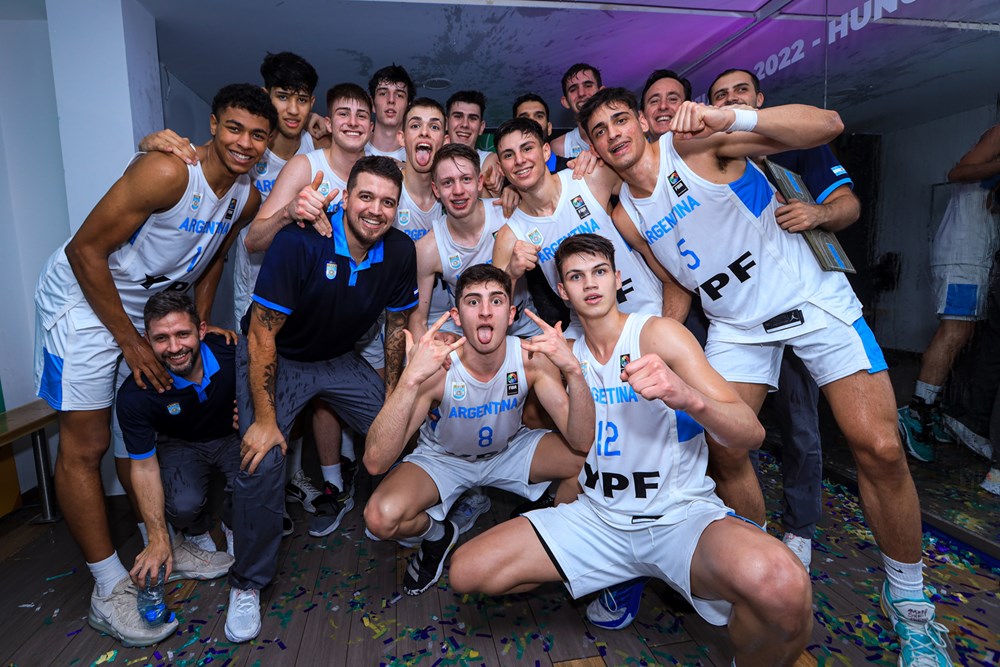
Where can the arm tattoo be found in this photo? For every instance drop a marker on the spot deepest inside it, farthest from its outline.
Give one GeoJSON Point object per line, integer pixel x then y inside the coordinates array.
{"type": "Point", "coordinates": [271, 381]}
{"type": "Point", "coordinates": [395, 346]}
{"type": "Point", "coordinates": [271, 319]}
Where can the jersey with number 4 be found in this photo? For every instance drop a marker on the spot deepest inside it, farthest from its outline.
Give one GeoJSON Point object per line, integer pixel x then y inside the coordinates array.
{"type": "Point", "coordinates": [477, 418]}
{"type": "Point", "coordinates": [647, 460]}
{"type": "Point", "coordinates": [722, 240]}
{"type": "Point", "coordinates": [170, 250]}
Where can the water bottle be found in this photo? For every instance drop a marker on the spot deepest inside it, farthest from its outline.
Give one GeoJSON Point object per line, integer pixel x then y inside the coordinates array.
{"type": "Point", "coordinates": [152, 608]}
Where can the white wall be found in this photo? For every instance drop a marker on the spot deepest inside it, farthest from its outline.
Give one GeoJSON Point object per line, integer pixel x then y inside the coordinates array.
{"type": "Point", "coordinates": [143, 65]}
{"type": "Point", "coordinates": [913, 160]}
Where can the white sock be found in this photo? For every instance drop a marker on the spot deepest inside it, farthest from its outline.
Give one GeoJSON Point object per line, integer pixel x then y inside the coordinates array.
{"type": "Point", "coordinates": [333, 475]}
{"type": "Point", "coordinates": [107, 573]}
{"type": "Point", "coordinates": [928, 393]}
{"type": "Point", "coordinates": [347, 445]}
{"type": "Point", "coordinates": [906, 580]}
{"type": "Point", "coordinates": [142, 531]}
{"type": "Point", "coordinates": [434, 532]}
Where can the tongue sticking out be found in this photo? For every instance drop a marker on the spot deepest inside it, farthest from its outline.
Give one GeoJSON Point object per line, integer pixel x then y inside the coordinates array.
{"type": "Point", "coordinates": [422, 156]}
{"type": "Point", "coordinates": [484, 334]}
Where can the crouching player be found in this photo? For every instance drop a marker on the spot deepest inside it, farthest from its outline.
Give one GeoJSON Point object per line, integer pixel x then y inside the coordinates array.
{"type": "Point", "coordinates": [473, 436]}
{"type": "Point", "coordinates": [647, 507]}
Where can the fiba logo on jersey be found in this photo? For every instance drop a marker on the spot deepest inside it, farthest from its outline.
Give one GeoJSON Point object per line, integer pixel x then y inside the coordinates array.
{"type": "Point", "coordinates": [174, 409]}
{"type": "Point", "coordinates": [512, 383]}
{"type": "Point", "coordinates": [195, 201]}
{"type": "Point", "coordinates": [677, 184]}
{"type": "Point", "coordinates": [331, 270]}
{"type": "Point", "coordinates": [261, 167]}
{"type": "Point", "coordinates": [624, 361]}
{"type": "Point", "coordinates": [458, 391]}
{"type": "Point", "coordinates": [581, 207]}
{"type": "Point", "coordinates": [535, 236]}
{"type": "Point", "coordinates": [404, 217]}
{"type": "Point", "coordinates": [455, 261]}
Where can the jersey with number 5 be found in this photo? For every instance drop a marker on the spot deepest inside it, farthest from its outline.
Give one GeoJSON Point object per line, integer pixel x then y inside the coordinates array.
{"type": "Point", "coordinates": [478, 418]}
{"type": "Point", "coordinates": [647, 460]}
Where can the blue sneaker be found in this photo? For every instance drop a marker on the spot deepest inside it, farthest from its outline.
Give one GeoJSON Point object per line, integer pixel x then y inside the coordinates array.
{"type": "Point", "coordinates": [616, 607]}
{"type": "Point", "coordinates": [923, 642]}
{"type": "Point", "coordinates": [912, 432]}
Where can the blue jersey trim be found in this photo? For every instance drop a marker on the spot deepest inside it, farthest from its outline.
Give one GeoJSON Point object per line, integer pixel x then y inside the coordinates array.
{"type": "Point", "coordinates": [140, 457]}
{"type": "Point", "coordinates": [406, 307]}
{"type": "Point", "coordinates": [210, 366]}
{"type": "Point", "coordinates": [753, 190]}
{"type": "Point", "coordinates": [872, 350]}
{"type": "Point", "coordinates": [551, 163]}
{"type": "Point", "coordinates": [687, 427]}
{"type": "Point", "coordinates": [50, 387]}
{"type": "Point", "coordinates": [826, 193]}
{"type": "Point", "coordinates": [271, 305]}
{"type": "Point", "coordinates": [961, 299]}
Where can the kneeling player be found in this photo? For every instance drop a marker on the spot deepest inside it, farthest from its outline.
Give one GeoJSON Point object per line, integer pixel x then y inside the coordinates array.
{"type": "Point", "coordinates": [647, 507]}
{"type": "Point", "coordinates": [474, 435]}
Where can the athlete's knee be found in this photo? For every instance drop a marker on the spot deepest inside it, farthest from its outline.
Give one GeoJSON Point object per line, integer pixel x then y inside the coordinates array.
{"type": "Point", "coordinates": [462, 572]}
{"type": "Point", "coordinates": [777, 587]}
{"type": "Point", "coordinates": [81, 450]}
{"type": "Point", "coordinates": [881, 453]}
{"type": "Point", "coordinates": [382, 516]}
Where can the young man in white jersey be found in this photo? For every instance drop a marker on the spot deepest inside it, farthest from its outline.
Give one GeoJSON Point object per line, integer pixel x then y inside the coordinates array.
{"type": "Point", "coordinates": [162, 225]}
{"type": "Point", "coordinates": [708, 214]}
{"type": "Point", "coordinates": [647, 506]}
{"type": "Point", "coordinates": [392, 91]}
{"type": "Point", "coordinates": [466, 111]}
{"type": "Point", "coordinates": [554, 206]}
{"type": "Point", "coordinates": [467, 398]}
{"type": "Point", "coordinates": [423, 133]}
{"type": "Point", "coordinates": [578, 84]}
{"type": "Point", "coordinates": [461, 238]}
{"type": "Point", "coordinates": [309, 188]}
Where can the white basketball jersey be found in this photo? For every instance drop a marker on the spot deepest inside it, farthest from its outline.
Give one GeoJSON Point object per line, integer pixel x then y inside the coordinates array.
{"type": "Point", "coordinates": [411, 219]}
{"type": "Point", "coordinates": [398, 154]}
{"type": "Point", "coordinates": [722, 241]}
{"type": "Point", "coordinates": [483, 155]}
{"type": "Point", "coordinates": [574, 144]}
{"type": "Point", "coordinates": [456, 258]}
{"type": "Point", "coordinates": [968, 230]}
{"type": "Point", "coordinates": [169, 251]}
{"type": "Point", "coordinates": [265, 172]}
{"type": "Point", "coordinates": [248, 266]}
{"type": "Point", "coordinates": [578, 212]}
{"type": "Point", "coordinates": [647, 460]}
{"type": "Point", "coordinates": [477, 418]}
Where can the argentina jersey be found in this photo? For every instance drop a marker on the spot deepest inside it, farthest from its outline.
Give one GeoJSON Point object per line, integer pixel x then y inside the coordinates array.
{"type": "Point", "coordinates": [330, 182]}
{"type": "Point", "coordinates": [478, 418]}
{"type": "Point", "coordinates": [647, 459]}
{"type": "Point", "coordinates": [413, 220]}
{"type": "Point", "coordinates": [265, 172]}
{"type": "Point", "coordinates": [722, 241]}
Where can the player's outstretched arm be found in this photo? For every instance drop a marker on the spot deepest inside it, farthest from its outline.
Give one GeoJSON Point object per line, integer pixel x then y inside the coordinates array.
{"type": "Point", "coordinates": [153, 183]}
{"type": "Point", "coordinates": [673, 369]}
{"type": "Point", "coordinates": [405, 408]}
{"type": "Point", "coordinates": [148, 486]}
{"type": "Point", "coordinates": [293, 199]}
{"type": "Point", "coordinates": [981, 162]}
{"type": "Point", "coordinates": [263, 434]}
{"type": "Point", "coordinates": [550, 361]}
{"type": "Point", "coordinates": [428, 265]}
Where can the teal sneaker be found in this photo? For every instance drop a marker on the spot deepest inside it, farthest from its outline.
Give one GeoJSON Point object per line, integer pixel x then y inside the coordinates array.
{"type": "Point", "coordinates": [938, 429]}
{"type": "Point", "coordinates": [923, 642]}
{"type": "Point", "coordinates": [912, 433]}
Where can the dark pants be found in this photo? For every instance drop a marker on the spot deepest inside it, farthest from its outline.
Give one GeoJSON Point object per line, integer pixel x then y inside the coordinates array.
{"type": "Point", "coordinates": [186, 469]}
{"type": "Point", "coordinates": [351, 387]}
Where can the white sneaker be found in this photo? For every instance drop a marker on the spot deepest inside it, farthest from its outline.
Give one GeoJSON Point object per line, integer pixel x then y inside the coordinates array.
{"type": "Point", "coordinates": [193, 562]}
{"type": "Point", "coordinates": [406, 542]}
{"type": "Point", "coordinates": [301, 490]}
{"type": "Point", "coordinates": [802, 547]}
{"type": "Point", "coordinates": [203, 541]}
{"type": "Point", "coordinates": [229, 539]}
{"type": "Point", "coordinates": [992, 482]}
{"type": "Point", "coordinates": [968, 437]}
{"type": "Point", "coordinates": [469, 507]}
{"type": "Point", "coordinates": [243, 616]}
{"type": "Point", "coordinates": [118, 616]}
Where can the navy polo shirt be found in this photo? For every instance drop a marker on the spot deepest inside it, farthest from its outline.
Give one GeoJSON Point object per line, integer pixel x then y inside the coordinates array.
{"type": "Point", "coordinates": [818, 167]}
{"type": "Point", "coordinates": [330, 300]}
{"type": "Point", "coordinates": [187, 411]}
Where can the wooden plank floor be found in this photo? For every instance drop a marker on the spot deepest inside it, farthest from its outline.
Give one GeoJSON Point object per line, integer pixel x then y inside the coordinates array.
{"type": "Point", "coordinates": [338, 601]}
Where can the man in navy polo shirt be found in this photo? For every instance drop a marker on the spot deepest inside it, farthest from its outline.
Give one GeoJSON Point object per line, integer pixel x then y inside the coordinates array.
{"type": "Point", "coordinates": [175, 438]}
{"type": "Point", "coordinates": [315, 297]}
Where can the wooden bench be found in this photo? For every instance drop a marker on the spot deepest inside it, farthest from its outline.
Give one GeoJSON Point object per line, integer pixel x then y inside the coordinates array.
{"type": "Point", "coordinates": [32, 419]}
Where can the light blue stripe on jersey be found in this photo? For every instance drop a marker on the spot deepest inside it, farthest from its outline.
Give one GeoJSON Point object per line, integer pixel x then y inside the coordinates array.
{"type": "Point", "coordinates": [51, 385]}
{"type": "Point", "coordinates": [826, 193]}
{"type": "Point", "coordinates": [753, 190]}
{"type": "Point", "coordinates": [144, 455]}
{"type": "Point", "coordinates": [687, 427]}
{"type": "Point", "coordinates": [271, 305]}
{"type": "Point", "coordinates": [961, 299]}
{"type": "Point", "coordinates": [872, 350]}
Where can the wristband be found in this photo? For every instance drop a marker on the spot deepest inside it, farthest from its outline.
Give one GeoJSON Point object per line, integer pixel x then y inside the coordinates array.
{"type": "Point", "coordinates": [745, 121]}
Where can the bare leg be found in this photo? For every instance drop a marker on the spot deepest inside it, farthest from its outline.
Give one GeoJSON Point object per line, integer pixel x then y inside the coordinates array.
{"type": "Point", "coordinates": [735, 480]}
{"type": "Point", "coordinates": [864, 406]}
{"type": "Point", "coordinates": [949, 339]}
{"type": "Point", "coordinates": [508, 558]}
{"type": "Point", "coordinates": [123, 468]}
{"type": "Point", "coordinates": [84, 436]}
{"type": "Point", "coordinates": [397, 506]}
{"type": "Point", "coordinates": [770, 592]}
{"type": "Point", "coordinates": [327, 430]}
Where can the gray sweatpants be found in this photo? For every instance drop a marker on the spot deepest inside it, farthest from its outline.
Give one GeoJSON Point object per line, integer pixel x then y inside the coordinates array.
{"type": "Point", "coordinates": [186, 469]}
{"type": "Point", "coordinates": [351, 387]}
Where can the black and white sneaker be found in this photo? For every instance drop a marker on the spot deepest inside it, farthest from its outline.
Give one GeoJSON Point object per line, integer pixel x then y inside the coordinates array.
{"type": "Point", "coordinates": [301, 490]}
{"type": "Point", "coordinates": [287, 525]}
{"type": "Point", "coordinates": [349, 470]}
{"type": "Point", "coordinates": [426, 566]}
{"type": "Point", "coordinates": [330, 510]}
